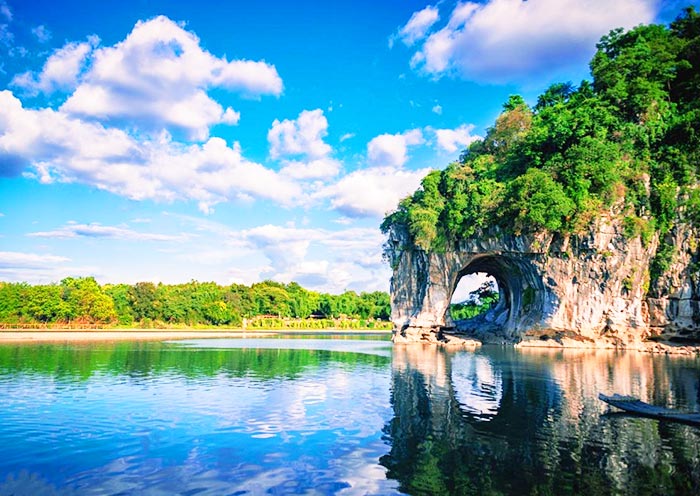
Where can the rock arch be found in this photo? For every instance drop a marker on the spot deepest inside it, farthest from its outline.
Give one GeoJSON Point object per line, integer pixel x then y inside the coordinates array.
{"type": "Point", "coordinates": [523, 297]}
{"type": "Point", "coordinates": [588, 289]}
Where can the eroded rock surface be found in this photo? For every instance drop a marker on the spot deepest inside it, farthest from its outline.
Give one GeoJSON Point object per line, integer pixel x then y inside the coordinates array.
{"type": "Point", "coordinates": [594, 289]}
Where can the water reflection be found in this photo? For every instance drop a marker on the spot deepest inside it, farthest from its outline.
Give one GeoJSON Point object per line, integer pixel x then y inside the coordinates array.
{"type": "Point", "coordinates": [478, 385]}
{"type": "Point", "coordinates": [501, 421]}
{"type": "Point", "coordinates": [189, 358]}
{"type": "Point", "coordinates": [218, 418]}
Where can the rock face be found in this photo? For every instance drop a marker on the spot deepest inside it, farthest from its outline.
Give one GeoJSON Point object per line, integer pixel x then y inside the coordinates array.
{"type": "Point", "coordinates": [593, 288]}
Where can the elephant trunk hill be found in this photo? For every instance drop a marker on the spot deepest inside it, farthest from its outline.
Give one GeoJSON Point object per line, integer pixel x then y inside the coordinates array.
{"type": "Point", "coordinates": [579, 290]}
{"type": "Point", "coordinates": [584, 208]}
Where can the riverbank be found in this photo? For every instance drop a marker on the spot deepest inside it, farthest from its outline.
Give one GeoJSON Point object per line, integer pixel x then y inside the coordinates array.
{"type": "Point", "coordinates": [60, 335]}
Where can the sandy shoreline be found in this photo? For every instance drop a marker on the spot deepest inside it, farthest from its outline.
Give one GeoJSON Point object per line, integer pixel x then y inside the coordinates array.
{"type": "Point", "coordinates": [21, 336]}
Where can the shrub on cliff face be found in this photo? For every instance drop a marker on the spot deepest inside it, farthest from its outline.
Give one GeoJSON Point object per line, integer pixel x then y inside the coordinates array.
{"type": "Point", "coordinates": [627, 142]}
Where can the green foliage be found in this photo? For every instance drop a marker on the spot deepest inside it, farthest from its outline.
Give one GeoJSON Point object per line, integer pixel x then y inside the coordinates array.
{"type": "Point", "coordinates": [635, 226]}
{"type": "Point", "coordinates": [74, 299]}
{"type": "Point", "coordinates": [147, 305]}
{"type": "Point", "coordinates": [665, 200]}
{"type": "Point", "coordinates": [662, 261]}
{"type": "Point", "coordinates": [634, 70]}
{"type": "Point", "coordinates": [479, 302]}
{"type": "Point", "coordinates": [535, 201]}
{"type": "Point", "coordinates": [692, 206]}
{"type": "Point", "coordinates": [626, 144]}
{"type": "Point", "coordinates": [425, 210]}
{"type": "Point", "coordinates": [85, 299]}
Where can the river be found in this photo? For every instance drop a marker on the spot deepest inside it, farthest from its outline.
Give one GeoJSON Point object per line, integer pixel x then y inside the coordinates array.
{"type": "Point", "coordinates": [338, 415]}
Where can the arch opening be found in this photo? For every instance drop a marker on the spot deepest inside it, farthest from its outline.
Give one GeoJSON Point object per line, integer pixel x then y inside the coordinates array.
{"type": "Point", "coordinates": [521, 303]}
{"type": "Point", "coordinates": [474, 295]}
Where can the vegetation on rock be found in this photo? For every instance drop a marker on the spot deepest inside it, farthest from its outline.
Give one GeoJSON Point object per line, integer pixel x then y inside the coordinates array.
{"type": "Point", "coordinates": [627, 143]}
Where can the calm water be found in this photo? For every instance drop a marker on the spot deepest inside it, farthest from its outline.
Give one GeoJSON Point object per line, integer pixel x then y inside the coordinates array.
{"type": "Point", "coordinates": [338, 416]}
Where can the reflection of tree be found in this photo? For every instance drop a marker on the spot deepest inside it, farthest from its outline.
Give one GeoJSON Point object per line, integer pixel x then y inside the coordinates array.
{"type": "Point", "coordinates": [548, 436]}
{"type": "Point", "coordinates": [140, 359]}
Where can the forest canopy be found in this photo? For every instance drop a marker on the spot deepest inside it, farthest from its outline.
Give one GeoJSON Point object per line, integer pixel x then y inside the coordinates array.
{"type": "Point", "coordinates": [83, 300]}
{"type": "Point", "coordinates": [627, 143]}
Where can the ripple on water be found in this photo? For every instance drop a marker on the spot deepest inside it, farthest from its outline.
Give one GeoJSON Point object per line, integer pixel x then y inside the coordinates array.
{"type": "Point", "coordinates": [221, 418]}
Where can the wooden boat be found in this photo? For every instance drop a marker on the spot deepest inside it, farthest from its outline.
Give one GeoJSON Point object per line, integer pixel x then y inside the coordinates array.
{"type": "Point", "coordinates": [631, 404]}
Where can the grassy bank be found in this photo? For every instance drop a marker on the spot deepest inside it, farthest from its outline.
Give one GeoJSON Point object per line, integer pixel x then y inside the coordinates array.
{"type": "Point", "coordinates": [258, 323]}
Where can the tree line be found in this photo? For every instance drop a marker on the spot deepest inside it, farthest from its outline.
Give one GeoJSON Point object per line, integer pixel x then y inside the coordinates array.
{"type": "Point", "coordinates": [83, 300]}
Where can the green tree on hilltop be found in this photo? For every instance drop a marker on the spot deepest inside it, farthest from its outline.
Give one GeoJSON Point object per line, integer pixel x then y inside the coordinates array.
{"type": "Point", "coordinates": [627, 143]}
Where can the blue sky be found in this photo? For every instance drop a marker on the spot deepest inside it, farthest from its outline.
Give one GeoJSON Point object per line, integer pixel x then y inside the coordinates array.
{"type": "Point", "coordinates": [239, 141]}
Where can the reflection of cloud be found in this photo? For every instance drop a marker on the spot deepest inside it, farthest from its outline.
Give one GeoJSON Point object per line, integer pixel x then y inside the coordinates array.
{"type": "Point", "coordinates": [363, 474]}
{"type": "Point", "coordinates": [26, 483]}
{"type": "Point", "coordinates": [478, 385]}
{"type": "Point", "coordinates": [206, 432]}
{"type": "Point", "coordinates": [553, 395]}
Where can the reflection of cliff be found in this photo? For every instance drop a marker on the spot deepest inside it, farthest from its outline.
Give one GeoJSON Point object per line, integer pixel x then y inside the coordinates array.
{"type": "Point", "coordinates": [508, 422]}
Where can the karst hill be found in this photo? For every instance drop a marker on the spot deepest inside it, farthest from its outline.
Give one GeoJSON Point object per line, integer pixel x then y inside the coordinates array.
{"type": "Point", "coordinates": [585, 208]}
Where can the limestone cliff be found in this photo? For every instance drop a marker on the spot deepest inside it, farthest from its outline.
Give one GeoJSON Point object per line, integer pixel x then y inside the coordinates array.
{"type": "Point", "coordinates": [603, 182]}
{"type": "Point", "coordinates": [591, 289]}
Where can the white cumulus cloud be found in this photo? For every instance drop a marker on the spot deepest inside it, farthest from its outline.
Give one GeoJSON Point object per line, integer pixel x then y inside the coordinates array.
{"type": "Point", "coordinates": [40, 268]}
{"type": "Point", "coordinates": [5, 11]}
{"type": "Point", "coordinates": [391, 150]}
{"type": "Point", "coordinates": [418, 25]}
{"type": "Point", "coordinates": [158, 77]}
{"type": "Point", "coordinates": [351, 260]}
{"type": "Point", "coordinates": [61, 70]}
{"type": "Point", "coordinates": [372, 192]}
{"type": "Point", "coordinates": [514, 40]}
{"type": "Point", "coordinates": [42, 33]}
{"type": "Point", "coordinates": [301, 136]}
{"type": "Point", "coordinates": [34, 268]}
{"type": "Point", "coordinates": [12, 259]}
{"type": "Point", "coordinates": [299, 144]}
{"type": "Point", "coordinates": [451, 140]}
{"type": "Point", "coordinates": [320, 168]}
{"type": "Point", "coordinates": [56, 146]}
